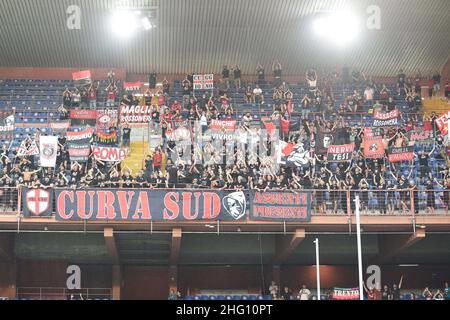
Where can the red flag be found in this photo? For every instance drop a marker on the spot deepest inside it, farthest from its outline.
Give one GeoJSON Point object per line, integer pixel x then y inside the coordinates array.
{"type": "Point", "coordinates": [373, 148]}
{"type": "Point", "coordinates": [288, 149]}
{"type": "Point", "coordinates": [442, 123]}
{"type": "Point", "coordinates": [270, 127]}
{"type": "Point", "coordinates": [284, 125]}
{"type": "Point", "coordinates": [81, 75]}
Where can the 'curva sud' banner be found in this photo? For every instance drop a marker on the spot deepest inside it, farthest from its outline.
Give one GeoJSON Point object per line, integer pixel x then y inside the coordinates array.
{"type": "Point", "coordinates": [165, 205]}
{"type": "Point", "coordinates": [140, 205]}
{"type": "Point", "coordinates": [280, 206]}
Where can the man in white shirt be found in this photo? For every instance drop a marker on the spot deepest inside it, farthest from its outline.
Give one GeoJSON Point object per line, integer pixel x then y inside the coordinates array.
{"type": "Point", "coordinates": [257, 92]}
{"type": "Point", "coordinates": [304, 293]}
{"type": "Point", "coordinates": [368, 95]}
{"type": "Point", "coordinates": [273, 289]}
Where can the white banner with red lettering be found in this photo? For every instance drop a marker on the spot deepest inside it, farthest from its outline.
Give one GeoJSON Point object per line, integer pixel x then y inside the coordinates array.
{"type": "Point", "coordinates": [388, 119]}
{"type": "Point", "coordinates": [223, 124]}
{"type": "Point", "coordinates": [203, 81]}
{"type": "Point", "coordinates": [109, 154]}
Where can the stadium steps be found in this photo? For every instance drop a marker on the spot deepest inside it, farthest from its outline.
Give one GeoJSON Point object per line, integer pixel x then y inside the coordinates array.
{"type": "Point", "coordinates": [135, 160]}
{"type": "Point", "coordinates": [437, 105]}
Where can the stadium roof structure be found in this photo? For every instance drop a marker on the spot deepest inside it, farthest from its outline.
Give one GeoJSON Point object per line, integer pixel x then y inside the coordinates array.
{"type": "Point", "coordinates": [203, 35]}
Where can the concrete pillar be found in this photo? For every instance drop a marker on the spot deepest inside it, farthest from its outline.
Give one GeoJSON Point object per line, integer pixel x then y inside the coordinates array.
{"type": "Point", "coordinates": [116, 282]}
{"type": "Point", "coordinates": [8, 282]}
{"type": "Point", "coordinates": [173, 278]}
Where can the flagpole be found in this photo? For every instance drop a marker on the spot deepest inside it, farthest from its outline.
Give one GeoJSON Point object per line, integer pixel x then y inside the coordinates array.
{"type": "Point", "coordinates": [317, 268]}
{"type": "Point", "coordinates": [358, 237]}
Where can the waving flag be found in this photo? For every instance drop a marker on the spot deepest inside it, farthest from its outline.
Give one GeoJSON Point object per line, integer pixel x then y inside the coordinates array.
{"type": "Point", "coordinates": [373, 148]}
{"type": "Point", "coordinates": [48, 150]}
{"type": "Point", "coordinates": [106, 138]}
{"type": "Point", "coordinates": [26, 149]}
{"type": "Point", "coordinates": [82, 78]}
{"type": "Point", "coordinates": [6, 126]}
{"type": "Point", "coordinates": [442, 123]}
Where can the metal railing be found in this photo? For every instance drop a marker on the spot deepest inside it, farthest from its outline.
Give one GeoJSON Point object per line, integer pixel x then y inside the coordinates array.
{"type": "Point", "coordinates": [381, 202]}
{"type": "Point", "coordinates": [60, 293]}
{"type": "Point", "coordinates": [9, 198]}
{"type": "Point", "coordinates": [324, 202]}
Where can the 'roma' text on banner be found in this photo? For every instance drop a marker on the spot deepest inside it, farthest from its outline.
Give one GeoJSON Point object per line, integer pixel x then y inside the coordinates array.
{"type": "Point", "coordinates": [109, 154]}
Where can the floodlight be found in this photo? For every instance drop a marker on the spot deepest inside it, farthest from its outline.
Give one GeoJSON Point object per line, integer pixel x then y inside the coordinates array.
{"type": "Point", "coordinates": [123, 23]}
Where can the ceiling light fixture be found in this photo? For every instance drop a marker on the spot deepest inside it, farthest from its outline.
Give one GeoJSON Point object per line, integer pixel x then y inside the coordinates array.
{"type": "Point", "coordinates": [340, 27]}
{"type": "Point", "coordinates": [123, 23]}
{"type": "Point", "coordinates": [146, 23]}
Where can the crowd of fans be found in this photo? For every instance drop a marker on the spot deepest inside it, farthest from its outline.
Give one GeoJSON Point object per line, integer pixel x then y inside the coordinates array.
{"type": "Point", "coordinates": [386, 293]}
{"type": "Point", "coordinates": [315, 112]}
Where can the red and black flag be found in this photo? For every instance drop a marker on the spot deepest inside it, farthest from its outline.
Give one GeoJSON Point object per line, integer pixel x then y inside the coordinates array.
{"type": "Point", "coordinates": [82, 78]}
{"type": "Point", "coordinates": [401, 154]}
{"type": "Point", "coordinates": [339, 153]}
{"type": "Point", "coordinates": [83, 118]}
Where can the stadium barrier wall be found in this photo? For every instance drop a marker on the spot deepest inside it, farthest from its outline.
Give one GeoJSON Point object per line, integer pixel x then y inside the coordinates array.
{"type": "Point", "coordinates": [404, 201]}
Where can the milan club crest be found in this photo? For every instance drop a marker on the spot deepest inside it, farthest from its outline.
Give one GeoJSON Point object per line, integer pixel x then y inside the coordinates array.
{"type": "Point", "coordinates": [37, 201]}
{"type": "Point", "coordinates": [48, 151]}
{"type": "Point", "coordinates": [235, 204]}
